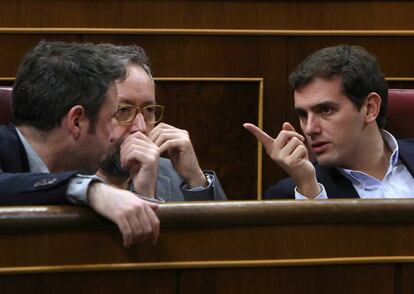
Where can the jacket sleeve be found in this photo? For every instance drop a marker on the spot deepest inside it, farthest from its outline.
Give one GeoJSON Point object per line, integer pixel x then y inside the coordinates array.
{"type": "Point", "coordinates": [285, 189]}
{"type": "Point", "coordinates": [213, 192]}
{"type": "Point", "coordinates": [34, 188]}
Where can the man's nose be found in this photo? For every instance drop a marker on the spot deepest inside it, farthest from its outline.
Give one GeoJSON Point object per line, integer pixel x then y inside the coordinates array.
{"type": "Point", "coordinates": [312, 125]}
{"type": "Point", "coordinates": [138, 124]}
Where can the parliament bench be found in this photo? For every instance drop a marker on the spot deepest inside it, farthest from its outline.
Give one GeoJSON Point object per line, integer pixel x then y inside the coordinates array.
{"type": "Point", "coordinates": [332, 246]}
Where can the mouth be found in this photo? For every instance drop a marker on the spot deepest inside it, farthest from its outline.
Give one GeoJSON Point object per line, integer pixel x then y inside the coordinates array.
{"type": "Point", "coordinates": [319, 147]}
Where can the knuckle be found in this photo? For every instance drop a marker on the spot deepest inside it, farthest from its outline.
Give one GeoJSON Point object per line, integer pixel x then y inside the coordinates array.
{"type": "Point", "coordinates": [152, 158]}
{"type": "Point", "coordinates": [119, 216]}
{"type": "Point", "coordinates": [288, 161]}
{"type": "Point", "coordinates": [126, 232]}
{"type": "Point", "coordinates": [138, 207]}
{"type": "Point", "coordinates": [284, 133]}
{"type": "Point", "coordinates": [129, 210]}
{"type": "Point", "coordinates": [138, 231]}
{"type": "Point", "coordinates": [295, 140]}
{"type": "Point", "coordinates": [147, 231]}
{"type": "Point", "coordinates": [155, 151]}
{"type": "Point", "coordinates": [274, 157]}
{"type": "Point", "coordinates": [162, 136]}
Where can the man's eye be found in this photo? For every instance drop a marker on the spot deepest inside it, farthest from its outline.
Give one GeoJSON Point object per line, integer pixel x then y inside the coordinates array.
{"type": "Point", "coordinates": [123, 113]}
{"type": "Point", "coordinates": [123, 110]}
{"type": "Point", "coordinates": [149, 109]}
{"type": "Point", "coordinates": [326, 110]}
{"type": "Point", "coordinates": [302, 114]}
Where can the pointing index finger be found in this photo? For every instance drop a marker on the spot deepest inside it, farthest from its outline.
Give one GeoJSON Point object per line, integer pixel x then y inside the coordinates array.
{"type": "Point", "coordinates": [260, 135]}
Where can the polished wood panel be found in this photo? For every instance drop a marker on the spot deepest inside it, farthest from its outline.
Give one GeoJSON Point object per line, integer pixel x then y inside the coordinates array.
{"type": "Point", "coordinates": [13, 48]}
{"type": "Point", "coordinates": [207, 247]}
{"type": "Point", "coordinates": [156, 281]}
{"type": "Point", "coordinates": [213, 113]}
{"type": "Point", "coordinates": [357, 279]}
{"type": "Point", "coordinates": [407, 276]}
{"type": "Point", "coordinates": [394, 55]}
{"type": "Point", "coordinates": [239, 14]}
{"type": "Point", "coordinates": [298, 231]}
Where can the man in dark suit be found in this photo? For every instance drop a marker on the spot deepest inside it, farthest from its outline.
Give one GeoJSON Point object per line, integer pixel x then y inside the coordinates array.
{"type": "Point", "coordinates": [141, 142]}
{"type": "Point", "coordinates": [341, 96]}
{"type": "Point", "coordinates": [63, 102]}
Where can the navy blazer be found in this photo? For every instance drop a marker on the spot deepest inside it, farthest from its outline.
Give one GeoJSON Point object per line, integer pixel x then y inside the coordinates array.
{"type": "Point", "coordinates": [20, 187]}
{"type": "Point", "coordinates": [336, 184]}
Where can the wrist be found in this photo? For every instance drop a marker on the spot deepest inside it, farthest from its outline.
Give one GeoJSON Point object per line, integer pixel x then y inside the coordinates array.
{"type": "Point", "coordinates": [198, 180]}
{"type": "Point", "coordinates": [93, 191]}
{"type": "Point", "coordinates": [145, 183]}
{"type": "Point", "coordinates": [310, 188]}
{"type": "Point", "coordinates": [149, 192]}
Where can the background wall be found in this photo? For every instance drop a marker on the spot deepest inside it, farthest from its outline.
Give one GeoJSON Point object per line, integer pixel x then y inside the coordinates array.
{"type": "Point", "coordinates": [238, 53]}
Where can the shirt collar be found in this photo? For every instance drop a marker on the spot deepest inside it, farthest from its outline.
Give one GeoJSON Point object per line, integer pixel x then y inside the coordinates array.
{"type": "Point", "coordinates": [35, 162]}
{"type": "Point", "coordinates": [393, 145]}
{"type": "Point", "coordinates": [362, 179]}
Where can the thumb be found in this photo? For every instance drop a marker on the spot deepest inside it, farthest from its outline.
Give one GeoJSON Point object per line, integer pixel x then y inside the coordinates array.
{"type": "Point", "coordinates": [288, 127]}
{"type": "Point", "coordinates": [152, 203]}
{"type": "Point", "coordinates": [153, 206]}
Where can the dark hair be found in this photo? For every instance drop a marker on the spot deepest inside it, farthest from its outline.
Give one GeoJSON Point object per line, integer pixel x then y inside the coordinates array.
{"type": "Point", "coordinates": [358, 69]}
{"type": "Point", "coordinates": [55, 76]}
{"type": "Point", "coordinates": [128, 54]}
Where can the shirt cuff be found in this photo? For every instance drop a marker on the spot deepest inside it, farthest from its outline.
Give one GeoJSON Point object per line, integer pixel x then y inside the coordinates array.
{"type": "Point", "coordinates": [209, 177]}
{"type": "Point", "coordinates": [321, 195]}
{"type": "Point", "coordinates": [77, 192]}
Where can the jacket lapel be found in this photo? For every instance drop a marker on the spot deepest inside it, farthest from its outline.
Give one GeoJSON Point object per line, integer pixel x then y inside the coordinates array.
{"type": "Point", "coordinates": [406, 154]}
{"type": "Point", "coordinates": [336, 185]}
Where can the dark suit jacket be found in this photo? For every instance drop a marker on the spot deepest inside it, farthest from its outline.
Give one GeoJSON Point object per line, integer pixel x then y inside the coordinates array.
{"type": "Point", "coordinates": [20, 187]}
{"type": "Point", "coordinates": [337, 185]}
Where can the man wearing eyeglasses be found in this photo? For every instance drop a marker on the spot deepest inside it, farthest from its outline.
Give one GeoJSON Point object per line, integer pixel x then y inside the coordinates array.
{"type": "Point", "coordinates": [134, 160]}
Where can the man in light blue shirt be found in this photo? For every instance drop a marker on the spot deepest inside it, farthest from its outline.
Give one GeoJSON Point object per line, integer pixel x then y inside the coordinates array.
{"type": "Point", "coordinates": [341, 97]}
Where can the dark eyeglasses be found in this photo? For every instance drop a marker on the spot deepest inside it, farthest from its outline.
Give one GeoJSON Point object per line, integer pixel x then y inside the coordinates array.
{"type": "Point", "coordinates": [126, 113]}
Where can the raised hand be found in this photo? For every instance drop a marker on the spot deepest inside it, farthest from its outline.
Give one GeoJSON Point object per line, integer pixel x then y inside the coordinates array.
{"type": "Point", "coordinates": [140, 155]}
{"type": "Point", "coordinates": [177, 144]}
{"type": "Point", "coordinates": [289, 152]}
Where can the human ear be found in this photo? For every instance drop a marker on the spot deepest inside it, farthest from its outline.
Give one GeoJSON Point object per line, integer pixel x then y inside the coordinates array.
{"type": "Point", "coordinates": [76, 121]}
{"type": "Point", "coordinates": [372, 107]}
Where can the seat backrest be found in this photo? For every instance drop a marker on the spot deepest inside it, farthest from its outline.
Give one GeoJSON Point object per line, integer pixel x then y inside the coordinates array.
{"type": "Point", "coordinates": [5, 98]}
{"type": "Point", "coordinates": [400, 113]}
